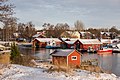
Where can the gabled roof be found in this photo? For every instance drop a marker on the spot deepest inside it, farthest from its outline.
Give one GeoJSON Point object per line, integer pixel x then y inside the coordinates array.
{"type": "Point", "coordinates": [70, 39]}
{"type": "Point", "coordinates": [106, 40]}
{"type": "Point", "coordinates": [48, 39]}
{"type": "Point", "coordinates": [83, 41]}
{"type": "Point", "coordinates": [62, 52]}
{"type": "Point", "coordinates": [90, 41]}
{"type": "Point", "coordinates": [71, 42]}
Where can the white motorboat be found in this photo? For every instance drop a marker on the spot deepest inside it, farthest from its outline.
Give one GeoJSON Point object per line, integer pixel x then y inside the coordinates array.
{"type": "Point", "coordinates": [116, 49]}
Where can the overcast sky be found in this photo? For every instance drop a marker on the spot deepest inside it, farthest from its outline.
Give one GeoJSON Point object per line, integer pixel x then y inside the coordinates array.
{"type": "Point", "coordinates": [93, 13]}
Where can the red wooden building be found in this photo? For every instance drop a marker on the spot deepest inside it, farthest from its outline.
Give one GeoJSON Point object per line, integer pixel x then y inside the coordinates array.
{"type": "Point", "coordinates": [90, 43]}
{"type": "Point", "coordinates": [70, 43]}
{"type": "Point", "coordinates": [69, 58]}
{"type": "Point", "coordinates": [43, 42]}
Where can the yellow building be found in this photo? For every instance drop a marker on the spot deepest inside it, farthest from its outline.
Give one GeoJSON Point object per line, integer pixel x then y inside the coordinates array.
{"type": "Point", "coordinates": [70, 34]}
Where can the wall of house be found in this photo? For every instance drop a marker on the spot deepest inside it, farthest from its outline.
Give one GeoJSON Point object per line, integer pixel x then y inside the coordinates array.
{"type": "Point", "coordinates": [74, 63]}
{"type": "Point", "coordinates": [59, 61]}
{"type": "Point", "coordinates": [58, 44]}
{"type": "Point", "coordinates": [42, 44]}
{"type": "Point", "coordinates": [39, 44]}
{"type": "Point", "coordinates": [94, 46]}
{"type": "Point", "coordinates": [86, 46]}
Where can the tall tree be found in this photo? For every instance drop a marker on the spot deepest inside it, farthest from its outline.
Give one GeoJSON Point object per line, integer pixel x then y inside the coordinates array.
{"type": "Point", "coordinates": [21, 29]}
{"type": "Point", "coordinates": [26, 30]}
{"type": "Point", "coordinates": [29, 30]}
{"type": "Point", "coordinates": [6, 12]}
{"type": "Point", "coordinates": [79, 26]}
{"type": "Point", "coordinates": [55, 31]}
{"type": "Point", "coordinates": [114, 29]}
{"type": "Point", "coordinates": [60, 28]}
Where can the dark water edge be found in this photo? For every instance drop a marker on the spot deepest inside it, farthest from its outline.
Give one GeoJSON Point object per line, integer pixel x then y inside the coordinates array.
{"type": "Point", "coordinates": [109, 63]}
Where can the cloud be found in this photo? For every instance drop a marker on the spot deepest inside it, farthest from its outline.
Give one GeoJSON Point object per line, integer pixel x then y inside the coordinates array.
{"type": "Point", "coordinates": [92, 12]}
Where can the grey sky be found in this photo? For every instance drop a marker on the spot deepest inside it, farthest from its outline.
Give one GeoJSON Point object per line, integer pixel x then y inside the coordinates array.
{"type": "Point", "coordinates": [93, 13]}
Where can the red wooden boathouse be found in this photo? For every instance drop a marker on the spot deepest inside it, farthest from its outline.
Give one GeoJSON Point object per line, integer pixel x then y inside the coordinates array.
{"type": "Point", "coordinates": [87, 43]}
{"type": "Point", "coordinates": [69, 58]}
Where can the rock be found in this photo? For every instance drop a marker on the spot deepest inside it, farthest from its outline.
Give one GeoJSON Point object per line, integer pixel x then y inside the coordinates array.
{"type": "Point", "coordinates": [33, 62]}
{"type": "Point", "coordinates": [113, 75]}
{"type": "Point", "coordinates": [1, 71]}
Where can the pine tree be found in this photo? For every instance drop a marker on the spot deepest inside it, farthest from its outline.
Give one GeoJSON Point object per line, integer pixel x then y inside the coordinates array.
{"type": "Point", "coordinates": [14, 51]}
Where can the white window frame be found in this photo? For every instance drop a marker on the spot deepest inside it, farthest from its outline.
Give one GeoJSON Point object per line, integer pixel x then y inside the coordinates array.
{"type": "Point", "coordinates": [73, 56]}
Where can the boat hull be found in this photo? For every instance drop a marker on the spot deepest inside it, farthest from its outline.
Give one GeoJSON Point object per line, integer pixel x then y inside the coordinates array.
{"type": "Point", "coordinates": [52, 47]}
{"type": "Point", "coordinates": [102, 52]}
{"type": "Point", "coordinates": [116, 50]}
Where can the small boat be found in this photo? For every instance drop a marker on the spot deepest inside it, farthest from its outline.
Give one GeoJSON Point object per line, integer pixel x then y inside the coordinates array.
{"type": "Point", "coordinates": [116, 48]}
{"type": "Point", "coordinates": [105, 51]}
{"type": "Point", "coordinates": [52, 47]}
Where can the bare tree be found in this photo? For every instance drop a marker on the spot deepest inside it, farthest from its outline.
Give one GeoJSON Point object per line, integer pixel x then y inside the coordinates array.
{"type": "Point", "coordinates": [26, 30]}
{"type": "Point", "coordinates": [55, 31]}
{"type": "Point", "coordinates": [29, 30]}
{"type": "Point", "coordinates": [79, 25]}
{"type": "Point", "coordinates": [60, 28]}
{"type": "Point", "coordinates": [6, 12]}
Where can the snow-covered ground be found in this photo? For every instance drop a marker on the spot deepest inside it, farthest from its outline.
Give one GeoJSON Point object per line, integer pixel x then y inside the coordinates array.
{"type": "Point", "coordinates": [18, 72]}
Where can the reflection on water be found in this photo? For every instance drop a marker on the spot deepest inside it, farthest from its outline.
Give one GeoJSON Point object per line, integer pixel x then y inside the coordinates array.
{"type": "Point", "coordinates": [109, 63]}
{"type": "Point", "coordinates": [43, 54]}
{"type": "Point", "coordinates": [105, 62]}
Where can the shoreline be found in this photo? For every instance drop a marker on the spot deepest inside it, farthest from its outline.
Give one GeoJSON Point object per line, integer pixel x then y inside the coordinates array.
{"type": "Point", "coordinates": [19, 72]}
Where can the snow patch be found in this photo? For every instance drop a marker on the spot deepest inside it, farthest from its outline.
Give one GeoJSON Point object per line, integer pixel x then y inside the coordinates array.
{"type": "Point", "coordinates": [18, 72]}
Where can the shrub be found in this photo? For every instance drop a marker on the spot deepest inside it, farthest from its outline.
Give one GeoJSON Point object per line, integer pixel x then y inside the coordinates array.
{"type": "Point", "coordinates": [14, 51]}
{"type": "Point", "coordinates": [17, 58]}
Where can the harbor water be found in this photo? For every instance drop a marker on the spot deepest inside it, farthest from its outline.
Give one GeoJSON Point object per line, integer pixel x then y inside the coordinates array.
{"type": "Point", "coordinates": [109, 63]}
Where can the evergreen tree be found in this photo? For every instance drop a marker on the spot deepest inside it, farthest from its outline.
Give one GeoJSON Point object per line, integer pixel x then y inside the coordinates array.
{"type": "Point", "coordinates": [14, 51]}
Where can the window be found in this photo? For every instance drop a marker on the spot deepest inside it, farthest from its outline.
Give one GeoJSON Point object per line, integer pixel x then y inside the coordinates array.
{"type": "Point", "coordinates": [74, 57]}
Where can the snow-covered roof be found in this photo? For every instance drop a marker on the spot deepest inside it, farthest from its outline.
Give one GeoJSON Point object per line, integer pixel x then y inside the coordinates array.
{"type": "Point", "coordinates": [74, 39]}
{"type": "Point", "coordinates": [71, 39]}
{"type": "Point", "coordinates": [90, 41]}
{"type": "Point", "coordinates": [62, 53]}
{"type": "Point", "coordinates": [64, 39]}
{"type": "Point", "coordinates": [84, 41]}
{"type": "Point", "coordinates": [5, 51]}
{"type": "Point", "coordinates": [70, 42]}
{"type": "Point", "coordinates": [48, 39]}
{"type": "Point", "coordinates": [106, 40]}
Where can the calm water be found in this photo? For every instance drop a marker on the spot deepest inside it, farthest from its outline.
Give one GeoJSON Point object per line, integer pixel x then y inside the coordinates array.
{"type": "Point", "coordinates": [109, 63]}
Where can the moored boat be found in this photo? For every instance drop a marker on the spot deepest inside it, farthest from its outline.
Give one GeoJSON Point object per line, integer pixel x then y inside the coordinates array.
{"type": "Point", "coordinates": [105, 51]}
{"type": "Point", "coordinates": [116, 48]}
{"type": "Point", "coordinates": [52, 47]}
